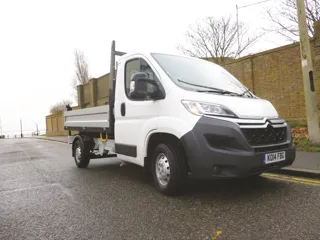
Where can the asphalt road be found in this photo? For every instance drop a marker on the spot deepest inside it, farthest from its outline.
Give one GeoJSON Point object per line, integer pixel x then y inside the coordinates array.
{"type": "Point", "coordinates": [43, 195]}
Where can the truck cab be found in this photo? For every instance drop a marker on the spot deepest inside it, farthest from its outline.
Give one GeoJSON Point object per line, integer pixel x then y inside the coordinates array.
{"type": "Point", "coordinates": [181, 117]}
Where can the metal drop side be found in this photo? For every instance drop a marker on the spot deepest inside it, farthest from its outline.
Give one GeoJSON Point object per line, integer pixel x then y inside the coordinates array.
{"type": "Point", "coordinates": [94, 119]}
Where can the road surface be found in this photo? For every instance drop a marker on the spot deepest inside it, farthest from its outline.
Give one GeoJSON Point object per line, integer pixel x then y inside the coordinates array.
{"type": "Point", "coordinates": [43, 195]}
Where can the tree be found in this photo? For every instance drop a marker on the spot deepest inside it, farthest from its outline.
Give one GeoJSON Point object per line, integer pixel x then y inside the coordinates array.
{"type": "Point", "coordinates": [82, 75]}
{"type": "Point", "coordinates": [60, 106]}
{"type": "Point", "coordinates": [285, 19]}
{"type": "Point", "coordinates": [217, 39]}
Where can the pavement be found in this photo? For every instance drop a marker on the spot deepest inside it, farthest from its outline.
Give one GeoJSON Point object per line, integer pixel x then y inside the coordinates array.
{"type": "Point", "coordinates": [43, 195]}
{"type": "Point", "coordinates": [306, 164]}
{"type": "Point", "coordinates": [56, 138]}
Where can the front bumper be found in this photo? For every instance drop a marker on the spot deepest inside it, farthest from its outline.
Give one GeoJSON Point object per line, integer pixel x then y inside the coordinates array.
{"type": "Point", "coordinates": [217, 148]}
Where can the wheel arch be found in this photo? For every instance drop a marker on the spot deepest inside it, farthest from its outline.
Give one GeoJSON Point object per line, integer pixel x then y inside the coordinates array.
{"type": "Point", "coordinates": [82, 138]}
{"type": "Point", "coordinates": [155, 138]}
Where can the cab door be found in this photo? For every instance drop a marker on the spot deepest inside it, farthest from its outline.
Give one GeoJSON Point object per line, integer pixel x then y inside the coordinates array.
{"type": "Point", "coordinates": [134, 118]}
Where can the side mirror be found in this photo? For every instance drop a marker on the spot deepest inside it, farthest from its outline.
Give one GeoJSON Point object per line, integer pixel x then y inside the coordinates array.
{"type": "Point", "coordinates": [142, 87]}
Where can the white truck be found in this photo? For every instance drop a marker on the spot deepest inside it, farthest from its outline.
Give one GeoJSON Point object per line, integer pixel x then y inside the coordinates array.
{"type": "Point", "coordinates": [180, 117]}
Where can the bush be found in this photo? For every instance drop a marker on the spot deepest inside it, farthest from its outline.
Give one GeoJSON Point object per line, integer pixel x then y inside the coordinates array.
{"type": "Point", "coordinates": [298, 124]}
{"type": "Point", "coordinates": [301, 140]}
{"type": "Point", "coordinates": [60, 106]}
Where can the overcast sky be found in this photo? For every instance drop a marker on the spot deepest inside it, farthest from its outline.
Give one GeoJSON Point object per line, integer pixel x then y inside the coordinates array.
{"type": "Point", "coordinates": [38, 38]}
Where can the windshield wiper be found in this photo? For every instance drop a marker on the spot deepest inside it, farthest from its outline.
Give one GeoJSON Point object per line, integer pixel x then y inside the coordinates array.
{"type": "Point", "coordinates": [246, 91]}
{"type": "Point", "coordinates": [212, 89]}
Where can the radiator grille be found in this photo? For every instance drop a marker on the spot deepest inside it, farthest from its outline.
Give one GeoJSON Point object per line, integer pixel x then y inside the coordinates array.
{"type": "Point", "coordinates": [265, 136]}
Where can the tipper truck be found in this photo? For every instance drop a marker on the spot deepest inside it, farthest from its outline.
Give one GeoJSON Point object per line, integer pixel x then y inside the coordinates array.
{"type": "Point", "coordinates": [180, 117]}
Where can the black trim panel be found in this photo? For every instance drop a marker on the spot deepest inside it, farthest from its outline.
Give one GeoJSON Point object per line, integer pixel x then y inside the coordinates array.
{"type": "Point", "coordinates": [218, 149]}
{"type": "Point", "coordinates": [128, 150]}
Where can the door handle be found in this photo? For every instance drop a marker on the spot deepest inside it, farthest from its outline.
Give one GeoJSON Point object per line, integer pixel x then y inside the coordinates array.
{"type": "Point", "coordinates": [123, 109]}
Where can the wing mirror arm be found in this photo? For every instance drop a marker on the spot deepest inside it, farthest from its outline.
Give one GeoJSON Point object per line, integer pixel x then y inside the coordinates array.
{"type": "Point", "coordinates": [142, 87]}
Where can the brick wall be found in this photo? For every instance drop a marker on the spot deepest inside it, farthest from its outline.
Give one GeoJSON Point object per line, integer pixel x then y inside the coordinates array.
{"type": "Point", "coordinates": [276, 75]}
{"type": "Point", "coordinates": [94, 93]}
{"type": "Point", "coordinates": [55, 124]}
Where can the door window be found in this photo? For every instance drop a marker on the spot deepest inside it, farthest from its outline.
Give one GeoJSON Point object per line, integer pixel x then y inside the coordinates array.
{"type": "Point", "coordinates": [134, 66]}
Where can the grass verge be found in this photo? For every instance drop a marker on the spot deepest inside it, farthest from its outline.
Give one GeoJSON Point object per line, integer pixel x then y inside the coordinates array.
{"type": "Point", "coordinates": [301, 140]}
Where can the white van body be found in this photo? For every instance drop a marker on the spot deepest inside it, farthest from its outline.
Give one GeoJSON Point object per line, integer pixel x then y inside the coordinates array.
{"type": "Point", "coordinates": [189, 117]}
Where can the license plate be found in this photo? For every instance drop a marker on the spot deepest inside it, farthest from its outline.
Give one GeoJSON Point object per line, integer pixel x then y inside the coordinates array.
{"type": "Point", "coordinates": [274, 157]}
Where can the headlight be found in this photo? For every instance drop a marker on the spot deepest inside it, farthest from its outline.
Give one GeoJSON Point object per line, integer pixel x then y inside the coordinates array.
{"type": "Point", "coordinates": [200, 108]}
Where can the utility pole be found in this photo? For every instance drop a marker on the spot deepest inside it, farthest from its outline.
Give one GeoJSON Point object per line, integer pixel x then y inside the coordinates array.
{"type": "Point", "coordinates": [238, 26]}
{"type": "Point", "coordinates": [307, 70]}
{"type": "Point", "coordinates": [21, 127]}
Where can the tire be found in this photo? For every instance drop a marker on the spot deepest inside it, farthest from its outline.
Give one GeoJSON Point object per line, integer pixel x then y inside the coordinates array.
{"type": "Point", "coordinates": [80, 153]}
{"type": "Point", "coordinates": [169, 169]}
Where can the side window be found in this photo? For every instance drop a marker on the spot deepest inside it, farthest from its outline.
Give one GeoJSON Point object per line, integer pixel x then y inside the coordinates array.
{"type": "Point", "coordinates": [132, 67]}
{"type": "Point", "coordinates": [151, 75]}
{"type": "Point", "coordinates": [137, 65]}
{"type": "Point", "coordinates": [147, 69]}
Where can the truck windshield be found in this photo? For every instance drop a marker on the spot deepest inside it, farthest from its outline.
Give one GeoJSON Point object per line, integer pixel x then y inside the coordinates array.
{"type": "Point", "coordinates": [199, 75]}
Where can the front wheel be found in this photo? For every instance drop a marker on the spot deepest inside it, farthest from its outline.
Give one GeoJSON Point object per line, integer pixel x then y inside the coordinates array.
{"type": "Point", "coordinates": [81, 157]}
{"type": "Point", "coordinates": [169, 169]}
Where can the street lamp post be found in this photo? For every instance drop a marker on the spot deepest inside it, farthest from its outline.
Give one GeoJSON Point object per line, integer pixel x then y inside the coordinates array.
{"type": "Point", "coordinates": [37, 129]}
{"type": "Point", "coordinates": [21, 127]}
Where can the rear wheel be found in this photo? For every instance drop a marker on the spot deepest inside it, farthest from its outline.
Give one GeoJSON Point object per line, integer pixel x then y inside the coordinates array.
{"type": "Point", "coordinates": [81, 156]}
{"type": "Point", "coordinates": [169, 169]}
